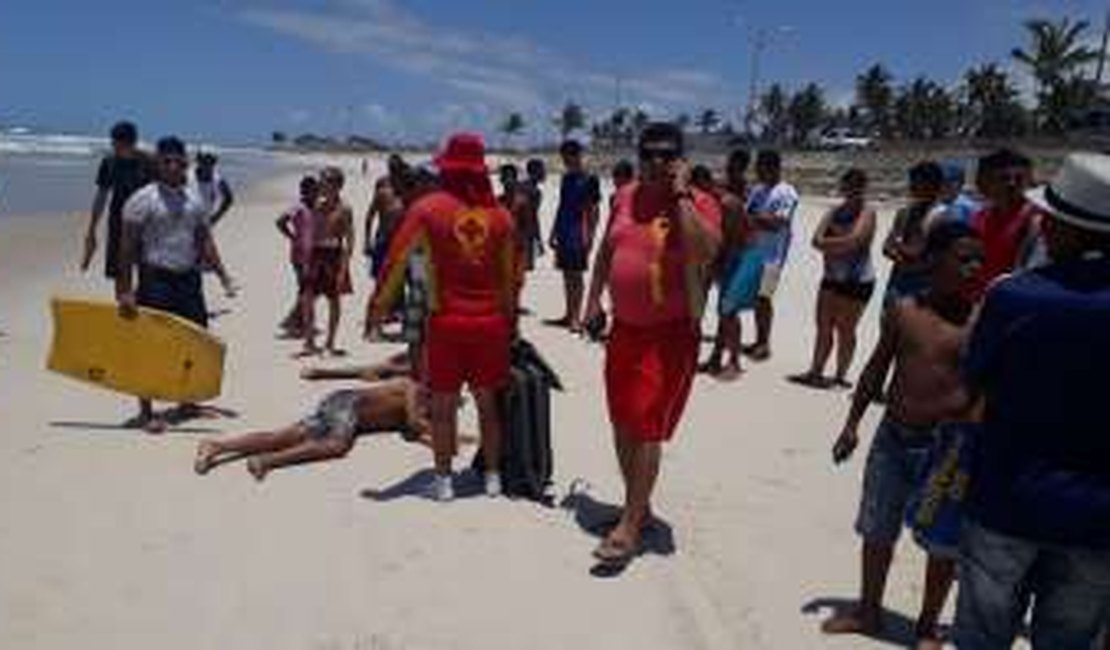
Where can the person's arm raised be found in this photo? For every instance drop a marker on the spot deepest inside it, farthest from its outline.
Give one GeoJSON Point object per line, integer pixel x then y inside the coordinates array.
{"type": "Point", "coordinates": [701, 239]}
{"type": "Point", "coordinates": [870, 386]}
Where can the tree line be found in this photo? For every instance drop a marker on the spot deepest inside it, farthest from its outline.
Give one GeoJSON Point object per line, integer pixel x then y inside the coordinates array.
{"type": "Point", "coordinates": [984, 103]}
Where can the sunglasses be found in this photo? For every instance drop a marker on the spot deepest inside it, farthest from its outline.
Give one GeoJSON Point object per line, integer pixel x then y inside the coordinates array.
{"type": "Point", "coordinates": [665, 153]}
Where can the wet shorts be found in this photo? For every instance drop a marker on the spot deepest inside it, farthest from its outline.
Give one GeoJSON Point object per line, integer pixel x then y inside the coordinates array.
{"type": "Point", "coordinates": [850, 289]}
{"type": "Point", "coordinates": [335, 417]}
{"type": "Point", "coordinates": [895, 466]}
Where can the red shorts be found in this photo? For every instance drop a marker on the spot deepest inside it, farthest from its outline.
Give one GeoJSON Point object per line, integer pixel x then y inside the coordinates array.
{"type": "Point", "coordinates": [472, 350]}
{"type": "Point", "coordinates": [649, 371]}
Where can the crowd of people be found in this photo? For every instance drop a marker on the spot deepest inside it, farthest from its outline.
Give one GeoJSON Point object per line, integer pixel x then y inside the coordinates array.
{"type": "Point", "coordinates": [991, 447]}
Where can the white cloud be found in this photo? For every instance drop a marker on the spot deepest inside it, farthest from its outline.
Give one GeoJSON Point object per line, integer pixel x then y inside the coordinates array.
{"type": "Point", "coordinates": [487, 70]}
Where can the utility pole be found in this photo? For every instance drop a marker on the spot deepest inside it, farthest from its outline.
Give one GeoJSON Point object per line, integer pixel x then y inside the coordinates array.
{"type": "Point", "coordinates": [1102, 53]}
{"type": "Point", "coordinates": [760, 42]}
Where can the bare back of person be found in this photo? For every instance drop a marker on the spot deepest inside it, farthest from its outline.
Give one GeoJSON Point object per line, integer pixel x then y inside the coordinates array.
{"type": "Point", "coordinates": [927, 387]}
{"type": "Point", "coordinates": [388, 406]}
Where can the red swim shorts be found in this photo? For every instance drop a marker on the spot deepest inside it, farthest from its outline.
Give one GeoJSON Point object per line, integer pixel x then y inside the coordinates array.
{"type": "Point", "coordinates": [649, 371]}
{"type": "Point", "coordinates": [471, 350]}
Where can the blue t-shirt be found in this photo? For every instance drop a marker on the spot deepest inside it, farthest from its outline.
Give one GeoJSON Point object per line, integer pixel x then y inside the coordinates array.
{"type": "Point", "coordinates": [1040, 353]}
{"type": "Point", "coordinates": [961, 209]}
{"type": "Point", "coordinates": [579, 191]}
{"type": "Point", "coordinates": [782, 200]}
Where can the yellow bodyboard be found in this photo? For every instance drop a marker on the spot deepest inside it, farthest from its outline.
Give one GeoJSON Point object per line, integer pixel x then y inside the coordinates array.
{"type": "Point", "coordinates": [154, 356]}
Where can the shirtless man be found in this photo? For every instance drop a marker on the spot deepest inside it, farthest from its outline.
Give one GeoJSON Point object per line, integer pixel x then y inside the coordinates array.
{"type": "Point", "coordinates": [736, 259]}
{"type": "Point", "coordinates": [391, 405]}
{"type": "Point", "coordinates": [387, 208]}
{"type": "Point", "coordinates": [922, 338]}
{"type": "Point", "coordinates": [331, 256]}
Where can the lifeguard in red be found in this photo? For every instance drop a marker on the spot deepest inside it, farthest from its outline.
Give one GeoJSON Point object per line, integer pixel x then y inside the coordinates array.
{"type": "Point", "coordinates": [468, 245]}
{"type": "Point", "coordinates": [471, 271]}
{"type": "Point", "coordinates": [655, 289]}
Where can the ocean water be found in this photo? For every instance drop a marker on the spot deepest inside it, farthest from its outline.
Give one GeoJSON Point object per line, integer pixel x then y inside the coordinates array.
{"type": "Point", "coordinates": [52, 174]}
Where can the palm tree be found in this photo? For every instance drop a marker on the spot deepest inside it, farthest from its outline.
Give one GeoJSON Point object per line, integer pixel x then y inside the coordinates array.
{"type": "Point", "coordinates": [1056, 57]}
{"type": "Point", "coordinates": [640, 120]}
{"type": "Point", "coordinates": [683, 121]}
{"type": "Point", "coordinates": [924, 110]}
{"type": "Point", "coordinates": [773, 109]}
{"type": "Point", "coordinates": [512, 126]}
{"type": "Point", "coordinates": [807, 112]}
{"type": "Point", "coordinates": [991, 103]}
{"type": "Point", "coordinates": [571, 119]}
{"type": "Point", "coordinates": [875, 97]}
{"type": "Point", "coordinates": [708, 120]}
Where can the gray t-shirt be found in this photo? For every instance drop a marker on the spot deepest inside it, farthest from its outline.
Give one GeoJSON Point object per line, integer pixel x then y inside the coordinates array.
{"type": "Point", "coordinates": [170, 222]}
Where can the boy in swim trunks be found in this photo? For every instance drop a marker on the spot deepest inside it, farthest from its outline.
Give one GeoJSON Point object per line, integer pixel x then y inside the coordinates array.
{"type": "Point", "coordinates": [331, 256]}
{"type": "Point", "coordinates": [738, 277]}
{"type": "Point", "coordinates": [922, 338]}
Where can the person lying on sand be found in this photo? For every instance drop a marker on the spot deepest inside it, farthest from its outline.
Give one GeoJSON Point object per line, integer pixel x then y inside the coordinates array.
{"type": "Point", "coordinates": [329, 432]}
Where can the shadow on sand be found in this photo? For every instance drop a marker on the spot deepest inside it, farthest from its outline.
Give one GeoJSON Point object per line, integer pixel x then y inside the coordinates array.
{"type": "Point", "coordinates": [174, 417]}
{"type": "Point", "coordinates": [124, 426]}
{"type": "Point", "coordinates": [468, 485]}
{"type": "Point", "coordinates": [596, 519]}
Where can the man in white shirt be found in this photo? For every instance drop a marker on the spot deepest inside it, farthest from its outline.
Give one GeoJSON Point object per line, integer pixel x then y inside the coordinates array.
{"type": "Point", "coordinates": [771, 207]}
{"type": "Point", "coordinates": [167, 234]}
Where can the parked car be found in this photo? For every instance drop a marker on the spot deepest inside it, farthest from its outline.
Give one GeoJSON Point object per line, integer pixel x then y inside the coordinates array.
{"type": "Point", "coordinates": [838, 139]}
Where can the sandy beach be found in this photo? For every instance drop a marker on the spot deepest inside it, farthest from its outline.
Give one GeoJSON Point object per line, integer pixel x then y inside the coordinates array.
{"type": "Point", "coordinates": [109, 540]}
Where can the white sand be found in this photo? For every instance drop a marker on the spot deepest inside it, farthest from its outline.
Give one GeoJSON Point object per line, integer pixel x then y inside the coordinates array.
{"type": "Point", "coordinates": [108, 539]}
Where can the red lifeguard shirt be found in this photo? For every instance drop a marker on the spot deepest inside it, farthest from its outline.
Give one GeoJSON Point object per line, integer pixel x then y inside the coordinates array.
{"type": "Point", "coordinates": [652, 274]}
{"type": "Point", "coordinates": [470, 253]}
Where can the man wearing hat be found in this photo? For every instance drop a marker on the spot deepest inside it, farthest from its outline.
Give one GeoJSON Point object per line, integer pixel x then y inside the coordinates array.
{"type": "Point", "coordinates": [1039, 506]}
{"type": "Point", "coordinates": [467, 239]}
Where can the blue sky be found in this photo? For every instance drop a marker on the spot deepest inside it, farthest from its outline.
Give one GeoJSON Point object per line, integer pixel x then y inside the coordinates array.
{"type": "Point", "coordinates": [234, 70]}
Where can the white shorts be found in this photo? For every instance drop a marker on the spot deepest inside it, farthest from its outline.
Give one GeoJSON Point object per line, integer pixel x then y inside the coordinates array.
{"type": "Point", "coordinates": [769, 281]}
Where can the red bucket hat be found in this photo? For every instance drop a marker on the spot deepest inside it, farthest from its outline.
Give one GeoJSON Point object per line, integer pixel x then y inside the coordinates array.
{"type": "Point", "coordinates": [464, 152]}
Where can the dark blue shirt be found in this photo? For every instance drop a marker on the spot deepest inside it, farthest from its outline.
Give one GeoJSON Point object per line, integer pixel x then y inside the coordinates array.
{"type": "Point", "coordinates": [1040, 354]}
{"type": "Point", "coordinates": [578, 192]}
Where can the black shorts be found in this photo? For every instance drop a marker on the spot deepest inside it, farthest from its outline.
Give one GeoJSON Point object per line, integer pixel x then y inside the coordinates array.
{"type": "Point", "coordinates": [858, 291]}
{"type": "Point", "coordinates": [180, 294]}
{"type": "Point", "coordinates": [573, 260]}
{"type": "Point", "coordinates": [112, 246]}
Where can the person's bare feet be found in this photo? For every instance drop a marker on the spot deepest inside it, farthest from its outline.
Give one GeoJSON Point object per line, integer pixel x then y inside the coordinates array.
{"type": "Point", "coordinates": [206, 453]}
{"type": "Point", "coordinates": [757, 352]}
{"type": "Point", "coordinates": [308, 351]}
{"type": "Point", "coordinates": [257, 467]}
{"type": "Point", "coordinates": [854, 621]}
{"type": "Point", "coordinates": [155, 425]}
{"type": "Point", "coordinates": [928, 636]}
{"type": "Point", "coordinates": [711, 367]}
{"type": "Point", "coordinates": [618, 548]}
{"type": "Point", "coordinates": [730, 373]}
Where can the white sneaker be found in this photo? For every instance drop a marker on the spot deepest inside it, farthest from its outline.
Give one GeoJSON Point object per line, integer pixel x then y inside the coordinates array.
{"type": "Point", "coordinates": [493, 484]}
{"type": "Point", "coordinates": [443, 488]}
